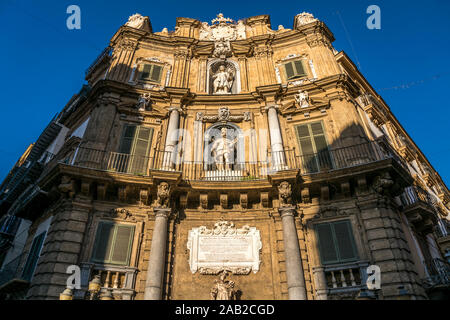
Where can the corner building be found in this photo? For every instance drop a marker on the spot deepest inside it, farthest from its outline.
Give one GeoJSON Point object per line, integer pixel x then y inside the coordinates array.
{"type": "Point", "coordinates": [226, 150]}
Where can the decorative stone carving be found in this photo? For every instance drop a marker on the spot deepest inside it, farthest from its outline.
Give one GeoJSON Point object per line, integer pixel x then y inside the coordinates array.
{"type": "Point", "coordinates": [222, 29]}
{"type": "Point", "coordinates": [223, 115]}
{"type": "Point", "coordinates": [265, 199]}
{"type": "Point", "coordinates": [243, 199]}
{"type": "Point", "coordinates": [224, 247]}
{"type": "Point", "coordinates": [120, 213]}
{"type": "Point", "coordinates": [306, 198]}
{"type": "Point", "coordinates": [222, 49]}
{"type": "Point", "coordinates": [224, 200]}
{"type": "Point", "coordinates": [304, 18]}
{"type": "Point", "coordinates": [302, 98]}
{"type": "Point", "coordinates": [136, 21]}
{"type": "Point", "coordinates": [143, 196]}
{"type": "Point", "coordinates": [204, 200]}
{"type": "Point", "coordinates": [143, 102]}
{"type": "Point", "coordinates": [162, 196]}
{"type": "Point", "coordinates": [285, 193]}
{"type": "Point", "coordinates": [67, 186]}
{"type": "Point", "coordinates": [382, 183]}
{"type": "Point", "coordinates": [223, 79]}
{"type": "Point", "coordinates": [223, 289]}
{"type": "Point", "coordinates": [101, 191]}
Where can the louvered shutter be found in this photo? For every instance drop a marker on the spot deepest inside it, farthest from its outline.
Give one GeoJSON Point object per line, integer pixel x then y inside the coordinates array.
{"type": "Point", "coordinates": [344, 240]}
{"type": "Point", "coordinates": [156, 73]}
{"type": "Point", "coordinates": [103, 242]}
{"type": "Point", "coordinates": [145, 71]}
{"type": "Point", "coordinates": [327, 247]}
{"type": "Point", "coordinates": [306, 148]}
{"type": "Point", "coordinates": [140, 152]}
{"type": "Point", "coordinates": [123, 241]}
{"type": "Point", "coordinates": [299, 68]}
{"type": "Point", "coordinates": [127, 139]}
{"type": "Point", "coordinates": [289, 70]}
{"type": "Point", "coordinates": [33, 256]}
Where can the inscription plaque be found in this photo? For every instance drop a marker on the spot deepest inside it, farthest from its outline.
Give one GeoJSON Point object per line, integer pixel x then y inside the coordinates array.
{"type": "Point", "coordinates": [224, 248]}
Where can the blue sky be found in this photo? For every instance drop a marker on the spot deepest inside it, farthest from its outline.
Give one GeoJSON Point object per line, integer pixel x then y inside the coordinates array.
{"type": "Point", "coordinates": [407, 61]}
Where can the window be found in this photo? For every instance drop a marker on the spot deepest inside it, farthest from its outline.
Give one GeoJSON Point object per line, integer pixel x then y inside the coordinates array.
{"type": "Point", "coordinates": [33, 256]}
{"type": "Point", "coordinates": [313, 147]}
{"type": "Point", "coordinates": [150, 72]}
{"type": "Point", "coordinates": [113, 243]}
{"type": "Point", "coordinates": [295, 69]}
{"type": "Point", "coordinates": [336, 242]}
{"type": "Point", "coordinates": [134, 150]}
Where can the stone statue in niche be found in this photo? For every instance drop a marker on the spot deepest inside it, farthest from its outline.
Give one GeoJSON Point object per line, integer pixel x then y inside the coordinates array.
{"type": "Point", "coordinates": [223, 80]}
{"type": "Point", "coordinates": [143, 102]}
{"type": "Point", "coordinates": [223, 289]}
{"type": "Point", "coordinates": [222, 151]}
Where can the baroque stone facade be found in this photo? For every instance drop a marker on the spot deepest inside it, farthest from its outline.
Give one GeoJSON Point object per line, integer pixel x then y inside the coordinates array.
{"type": "Point", "coordinates": [228, 150]}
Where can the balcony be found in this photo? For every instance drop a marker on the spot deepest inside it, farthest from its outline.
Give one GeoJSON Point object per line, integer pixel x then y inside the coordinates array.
{"type": "Point", "coordinates": [418, 208]}
{"type": "Point", "coordinates": [437, 284]}
{"type": "Point", "coordinates": [326, 161]}
{"type": "Point", "coordinates": [8, 229]}
{"type": "Point", "coordinates": [12, 284]}
{"type": "Point", "coordinates": [345, 280]}
{"type": "Point", "coordinates": [119, 280]}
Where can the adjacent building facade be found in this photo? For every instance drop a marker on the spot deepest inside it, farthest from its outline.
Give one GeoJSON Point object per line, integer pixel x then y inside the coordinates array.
{"type": "Point", "coordinates": [225, 160]}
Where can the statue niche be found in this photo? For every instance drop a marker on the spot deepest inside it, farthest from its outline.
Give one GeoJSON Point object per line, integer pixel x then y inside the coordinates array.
{"type": "Point", "coordinates": [223, 148]}
{"type": "Point", "coordinates": [223, 78]}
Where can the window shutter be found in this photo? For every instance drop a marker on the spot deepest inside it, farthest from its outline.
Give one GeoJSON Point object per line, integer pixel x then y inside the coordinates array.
{"type": "Point", "coordinates": [103, 242]}
{"type": "Point", "coordinates": [122, 244]}
{"type": "Point", "coordinates": [145, 71]}
{"type": "Point", "coordinates": [327, 247]}
{"type": "Point", "coordinates": [127, 139]}
{"type": "Point", "coordinates": [33, 256]}
{"type": "Point", "coordinates": [289, 70]}
{"type": "Point", "coordinates": [156, 73]}
{"type": "Point", "coordinates": [336, 242]}
{"type": "Point", "coordinates": [140, 150]}
{"type": "Point", "coordinates": [345, 241]}
{"type": "Point", "coordinates": [299, 68]}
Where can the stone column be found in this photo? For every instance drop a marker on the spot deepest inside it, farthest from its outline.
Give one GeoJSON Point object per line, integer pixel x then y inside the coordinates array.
{"type": "Point", "coordinates": [169, 157]}
{"type": "Point", "coordinates": [276, 140]}
{"type": "Point", "coordinates": [156, 262]}
{"type": "Point", "coordinates": [294, 268]}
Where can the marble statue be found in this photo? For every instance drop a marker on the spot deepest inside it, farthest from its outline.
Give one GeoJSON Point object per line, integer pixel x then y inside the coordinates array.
{"type": "Point", "coordinates": [223, 289]}
{"type": "Point", "coordinates": [223, 151]}
{"type": "Point", "coordinates": [136, 21]}
{"type": "Point", "coordinates": [304, 18]}
{"type": "Point", "coordinates": [223, 80]}
{"type": "Point", "coordinates": [302, 99]}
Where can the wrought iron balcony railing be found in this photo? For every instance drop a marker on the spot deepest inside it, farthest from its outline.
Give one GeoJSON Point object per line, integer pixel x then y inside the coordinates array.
{"type": "Point", "coordinates": [438, 273]}
{"type": "Point", "coordinates": [11, 271]}
{"type": "Point", "coordinates": [323, 161]}
{"type": "Point", "coordinates": [413, 195]}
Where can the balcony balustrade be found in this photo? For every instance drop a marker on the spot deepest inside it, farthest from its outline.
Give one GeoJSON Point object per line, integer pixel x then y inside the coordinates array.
{"type": "Point", "coordinates": [346, 277]}
{"type": "Point", "coordinates": [323, 161]}
{"type": "Point", "coordinates": [438, 273]}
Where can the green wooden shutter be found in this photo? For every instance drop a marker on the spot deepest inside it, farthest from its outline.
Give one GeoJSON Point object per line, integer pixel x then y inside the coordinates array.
{"type": "Point", "coordinates": [145, 71]}
{"type": "Point", "coordinates": [103, 242]}
{"type": "Point", "coordinates": [123, 241]}
{"type": "Point", "coordinates": [113, 243]}
{"type": "Point", "coordinates": [336, 242]}
{"type": "Point", "coordinates": [140, 151]}
{"type": "Point", "coordinates": [327, 248]}
{"type": "Point", "coordinates": [345, 241]}
{"type": "Point", "coordinates": [127, 139]}
{"type": "Point", "coordinates": [299, 68]}
{"type": "Point", "coordinates": [156, 73]}
{"type": "Point", "coordinates": [289, 67]}
{"type": "Point", "coordinates": [33, 256]}
{"type": "Point", "coordinates": [313, 147]}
